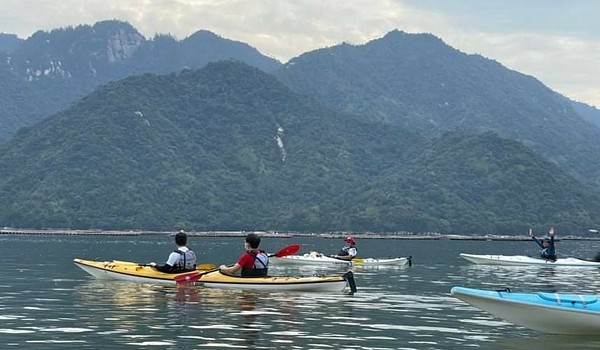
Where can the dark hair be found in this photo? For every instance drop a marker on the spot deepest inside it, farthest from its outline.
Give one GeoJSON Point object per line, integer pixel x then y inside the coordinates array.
{"type": "Point", "coordinates": [181, 238]}
{"type": "Point", "coordinates": [253, 240]}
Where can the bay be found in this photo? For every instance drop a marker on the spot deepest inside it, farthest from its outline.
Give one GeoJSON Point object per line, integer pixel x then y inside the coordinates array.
{"type": "Point", "coordinates": [46, 302]}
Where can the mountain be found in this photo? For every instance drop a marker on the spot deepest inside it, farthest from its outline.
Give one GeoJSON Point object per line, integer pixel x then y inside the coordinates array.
{"type": "Point", "coordinates": [587, 112]}
{"type": "Point", "coordinates": [8, 42]}
{"type": "Point", "coordinates": [66, 64]}
{"type": "Point", "coordinates": [229, 147]}
{"type": "Point", "coordinates": [418, 82]}
{"type": "Point", "coordinates": [226, 147]}
{"type": "Point", "coordinates": [474, 183]}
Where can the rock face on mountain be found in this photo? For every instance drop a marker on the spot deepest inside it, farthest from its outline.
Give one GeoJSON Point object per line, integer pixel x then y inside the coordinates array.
{"type": "Point", "coordinates": [65, 64]}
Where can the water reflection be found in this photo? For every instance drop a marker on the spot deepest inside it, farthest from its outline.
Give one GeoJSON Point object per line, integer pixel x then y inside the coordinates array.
{"type": "Point", "coordinates": [551, 342]}
{"type": "Point", "coordinates": [528, 279]}
{"type": "Point", "coordinates": [54, 305]}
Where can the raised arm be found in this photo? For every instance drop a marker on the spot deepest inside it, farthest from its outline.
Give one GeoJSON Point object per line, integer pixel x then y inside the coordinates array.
{"type": "Point", "coordinates": [537, 241]}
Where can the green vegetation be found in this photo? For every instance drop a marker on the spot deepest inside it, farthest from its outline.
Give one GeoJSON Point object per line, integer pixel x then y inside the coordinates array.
{"type": "Point", "coordinates": [418, 82]}
{"type": "Point", "coordinates": [50, 70]}
{"type": "Point", "coordinates": [401, 134]}
{"type": "Point", "coordinates": [199, 150]}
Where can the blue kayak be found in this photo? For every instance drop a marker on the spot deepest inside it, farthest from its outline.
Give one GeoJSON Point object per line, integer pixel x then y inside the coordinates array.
{"type": "Point", "coordinates": [555, 313]}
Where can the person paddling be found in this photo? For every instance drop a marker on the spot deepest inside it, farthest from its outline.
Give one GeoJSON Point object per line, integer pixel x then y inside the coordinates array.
{"type": "Point", "coordinates": [182, 259]}
{"type": "Point", "coordinates": [348, 252]}
{"type": "Point", "coordinates": [547, 244]}
{"type": "Point", "coordinates": [253, 263]}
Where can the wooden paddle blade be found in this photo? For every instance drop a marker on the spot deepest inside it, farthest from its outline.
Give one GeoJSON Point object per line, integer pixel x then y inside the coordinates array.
{"type": "Point", "coordinates": [189, 277]}
{"type": "Point", "coordinates": [289, 250]}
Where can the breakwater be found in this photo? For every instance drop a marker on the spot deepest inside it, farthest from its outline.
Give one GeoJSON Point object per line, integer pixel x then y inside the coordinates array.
{"type": "Point", "coordinates": [276, 234]}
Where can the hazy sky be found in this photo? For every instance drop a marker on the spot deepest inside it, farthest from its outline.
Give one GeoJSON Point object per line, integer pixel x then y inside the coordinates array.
{"type": "Point", "coordinates": [556, 41]}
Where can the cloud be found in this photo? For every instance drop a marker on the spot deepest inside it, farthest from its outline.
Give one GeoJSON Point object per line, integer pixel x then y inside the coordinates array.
{"type": "Point", "coordinates": [283, 29]}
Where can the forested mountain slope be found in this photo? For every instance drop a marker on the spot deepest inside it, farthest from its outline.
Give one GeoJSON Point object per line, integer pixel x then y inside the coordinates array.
{"type": "Point", "coordinates": [49, 70]}
{"type": "Point", "coordinates": [228, 147]}
{"type": "Point", "coordinates": [420, 83]}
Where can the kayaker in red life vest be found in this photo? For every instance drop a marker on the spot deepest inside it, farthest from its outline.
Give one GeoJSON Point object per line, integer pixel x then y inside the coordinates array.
{"type": "Point", "coordinates": [253, 263]}
{"type": "Point", "coordinates": [348, 252]}
{"type": "Point", "coordinates": [182, 259]}
{"type": "Point", "coordinates": [547, 244]}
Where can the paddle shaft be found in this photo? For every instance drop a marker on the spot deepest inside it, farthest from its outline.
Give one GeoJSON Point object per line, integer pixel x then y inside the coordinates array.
{"type": "Point", "coordinates": [201, 267]}
{"type": "Point", "coordinates": [193, 276]}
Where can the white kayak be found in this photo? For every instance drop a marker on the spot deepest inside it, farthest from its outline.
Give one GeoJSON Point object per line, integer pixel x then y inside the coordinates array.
{"type": "Point", "coordinates": [314, 258]}
{"type": "Point", "coordinates": [522, 260]}
{"type": "Point", "coordinates": [555, 313]}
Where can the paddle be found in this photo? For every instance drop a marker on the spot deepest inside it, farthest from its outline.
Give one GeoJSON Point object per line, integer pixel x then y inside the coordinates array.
{"type": "Point", "coordinates": [193, 276]}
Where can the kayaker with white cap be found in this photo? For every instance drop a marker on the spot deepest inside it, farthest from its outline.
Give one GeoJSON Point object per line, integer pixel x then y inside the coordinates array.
{"type": "Point", "coordinates": [546, 243]}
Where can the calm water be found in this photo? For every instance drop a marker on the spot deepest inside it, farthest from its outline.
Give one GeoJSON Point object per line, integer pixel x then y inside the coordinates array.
{"type": "Point", "coordinates": [46, 302]}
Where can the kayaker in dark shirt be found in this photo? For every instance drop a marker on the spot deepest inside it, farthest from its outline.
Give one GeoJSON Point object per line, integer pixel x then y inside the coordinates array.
{"type": "Point", "coordinates": [547, 244]}
{"type": "Point", "coordinates": [182, 259]}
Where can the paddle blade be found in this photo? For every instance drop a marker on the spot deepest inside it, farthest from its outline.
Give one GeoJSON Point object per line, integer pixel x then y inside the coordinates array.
{"type": "Point", "coordinates": [187, 278]}
{"type": "Point", "coordinates": [289, 250]}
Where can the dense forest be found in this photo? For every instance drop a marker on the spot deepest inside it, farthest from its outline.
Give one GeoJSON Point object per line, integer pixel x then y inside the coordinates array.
{"type": "Point", "coordinates": [229, 147]}
{"type": "Point", "coordinates": [403, 133]}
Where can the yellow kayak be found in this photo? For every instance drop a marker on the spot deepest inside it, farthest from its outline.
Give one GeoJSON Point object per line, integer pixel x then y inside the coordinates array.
{"type": "Point", "coordinates": [336, 283]}
{"type": "Point", "coordinates": [130, 271]}
{"type": "Point", "coordinates": [133, 272]}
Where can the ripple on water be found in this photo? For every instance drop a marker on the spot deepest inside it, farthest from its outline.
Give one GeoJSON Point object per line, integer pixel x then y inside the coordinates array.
{"type": "Point", "coordinates": [153, 343]}
{"type": "Point", "coordinates": [215, 326]}
{"type": "Point", "coordinates": [15, 331]}
{"type": "Point", "coordinates": [65, 329]}
{"type": "Point", "coordinates": [222, 345]}
{"type": "Point", "coordinates": [10, 317]}
{"type": "Point", "coordinates": [35, 308]}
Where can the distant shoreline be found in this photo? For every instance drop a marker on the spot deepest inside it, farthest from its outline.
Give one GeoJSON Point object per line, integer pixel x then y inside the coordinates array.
{"type": "Point", "coordinates": [272, 234]}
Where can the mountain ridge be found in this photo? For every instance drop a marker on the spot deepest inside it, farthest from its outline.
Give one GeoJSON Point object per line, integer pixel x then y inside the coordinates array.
{"type": "Point", "coordinates": [229, 147]}
{"type": "Point", "coordinates": [403, 133]}
{"type": "Point", "coordinates": [65, 64]}
{"type": "Point", "coordinates": [441, 89]}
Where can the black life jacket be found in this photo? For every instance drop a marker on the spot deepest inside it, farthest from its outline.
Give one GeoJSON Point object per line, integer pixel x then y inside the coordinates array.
{"type": "Point", "coordinates": [260, 267]}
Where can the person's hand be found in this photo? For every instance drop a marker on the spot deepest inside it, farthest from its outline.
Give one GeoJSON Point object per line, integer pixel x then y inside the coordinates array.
{"type": "Point", "coordinates": [222, 267]}
{"type": "Point", "coordinates": [153, 264]}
